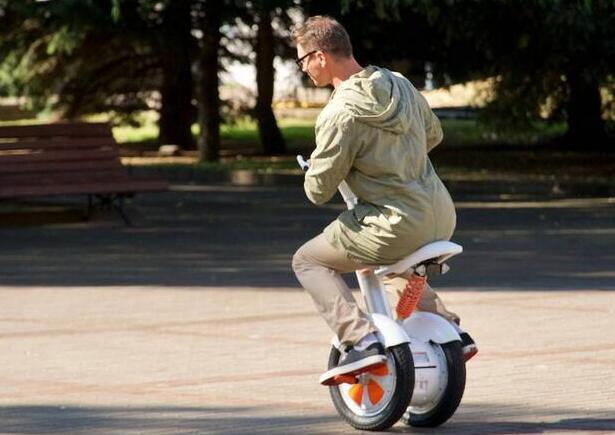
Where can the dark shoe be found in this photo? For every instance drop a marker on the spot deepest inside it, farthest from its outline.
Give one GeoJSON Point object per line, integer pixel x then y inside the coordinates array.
{"type": "Point", "coordinates": [468, 346]}
{"type": "Point", "coordinates": [354, 363]}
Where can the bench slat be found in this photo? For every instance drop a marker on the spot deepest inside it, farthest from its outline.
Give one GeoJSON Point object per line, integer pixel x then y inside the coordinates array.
{"type": "Point", "coordinates": [60, 156]}
{"type": "Point", "coordinates": [111, 174]}
{"type": "Point", "coordinates": [60, 129]}
{"type": "Point", "coordinates": [58, 166]}
{"type": "Point", "coordinates": [127, 187]}
{"type": "Point", "coordinates": [63, 143]}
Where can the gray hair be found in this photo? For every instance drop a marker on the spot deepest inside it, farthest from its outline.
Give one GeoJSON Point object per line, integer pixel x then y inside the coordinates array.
{"type": "Point", "coordinates": [322, 32]}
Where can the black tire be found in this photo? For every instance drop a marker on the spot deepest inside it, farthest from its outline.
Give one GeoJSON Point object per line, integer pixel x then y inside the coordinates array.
{"type": "Point", "coordinates": [396, 405]}
{"type": "Point", "coordinates": [451, 398]}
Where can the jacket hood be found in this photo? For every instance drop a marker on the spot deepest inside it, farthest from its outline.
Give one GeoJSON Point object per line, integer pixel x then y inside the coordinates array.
{"type": "Point", "coordinates": [378, 97]}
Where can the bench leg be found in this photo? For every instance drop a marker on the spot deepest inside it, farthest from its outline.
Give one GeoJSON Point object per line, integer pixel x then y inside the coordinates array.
{"type": "Point", "coordinates": [88, 208]}
{"type": "Point", "coordinates": [108, 202]}
{"type": "Point", "coordinates": [118, 205]}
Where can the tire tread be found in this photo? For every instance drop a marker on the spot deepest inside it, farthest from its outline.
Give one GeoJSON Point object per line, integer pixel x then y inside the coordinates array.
{"type": "Point", "coordinates": [453, 394]}
{"type": "Point", "coordinates": [401, 397]}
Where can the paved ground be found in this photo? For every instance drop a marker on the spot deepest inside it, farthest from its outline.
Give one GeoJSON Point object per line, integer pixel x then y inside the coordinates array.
{"type": "Point", "coordinates": [191, 322]}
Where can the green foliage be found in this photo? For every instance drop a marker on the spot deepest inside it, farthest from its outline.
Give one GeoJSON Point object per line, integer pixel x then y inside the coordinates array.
{"type": "Point", "coordinates": [241, 134]}
{"type": "Point", "coordinates": [89, 56]}
{"type": "Point", "coordinates": [86, 56]}
{"type": "Point", "coordinates": [115, 10]}
{"type": "Point", "coordinates": [64, 40]}
{"type": "Point", "coordinates": [548, 57]}
{"type": "Point", "coordinates": [71, 56]}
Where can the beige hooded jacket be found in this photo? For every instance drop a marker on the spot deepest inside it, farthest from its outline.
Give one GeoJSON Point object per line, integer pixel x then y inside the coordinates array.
{"type": "Point", "coordinates": [375, 133]}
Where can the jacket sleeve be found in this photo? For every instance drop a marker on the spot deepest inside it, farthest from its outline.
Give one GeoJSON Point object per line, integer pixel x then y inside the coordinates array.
{"type": "Point", "coordinates": [337, 144]}
{"type": "Point", "coordinates": [433, 131]}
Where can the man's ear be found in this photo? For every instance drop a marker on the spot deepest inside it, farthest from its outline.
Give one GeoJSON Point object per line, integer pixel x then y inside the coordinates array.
{"type": "Point", "coordinates": [322, 58]}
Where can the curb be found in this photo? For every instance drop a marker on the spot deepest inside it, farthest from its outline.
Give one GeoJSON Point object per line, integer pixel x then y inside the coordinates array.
{"type": "Point", "coordinates": [498, 189]}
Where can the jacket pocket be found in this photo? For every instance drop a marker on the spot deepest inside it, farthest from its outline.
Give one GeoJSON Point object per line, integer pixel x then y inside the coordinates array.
{"type": "Point", "coordinates": [362, 211]}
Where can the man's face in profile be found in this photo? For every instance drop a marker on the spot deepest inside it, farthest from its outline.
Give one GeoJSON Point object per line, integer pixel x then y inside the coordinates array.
{"type": "Point", "coordinates": [312, 62]}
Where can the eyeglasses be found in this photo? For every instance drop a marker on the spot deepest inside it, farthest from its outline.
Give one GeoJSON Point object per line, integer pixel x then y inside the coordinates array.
{"type": "Point", "coordinates": [299, 61]}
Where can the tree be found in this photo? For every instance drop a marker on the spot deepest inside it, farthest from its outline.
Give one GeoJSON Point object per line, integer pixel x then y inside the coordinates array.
{"type": "Point", "coordinates": [270, 135]}
{"type": "Point", "coordinates": [209, 19]}
{"type": "Point", "coordinates": [82, 57]}
{"type": "Point", "coordinates": [562, 53]}
{"type": "Point", "coordinates": [548, 55]}
{"type": "Point", "coordinates": [176, 88]}
{"type": "Point", "coordinates": [270, 39]}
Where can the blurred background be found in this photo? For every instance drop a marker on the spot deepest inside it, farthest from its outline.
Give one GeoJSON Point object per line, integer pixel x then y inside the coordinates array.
{"type": "Point", "coordinates": [523, 89]}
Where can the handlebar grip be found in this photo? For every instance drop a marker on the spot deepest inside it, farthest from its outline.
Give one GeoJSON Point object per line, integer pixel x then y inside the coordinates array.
{"type": "Point", "coordinates": [347, 194]}
{"type": "Point", "coordinates": [303, 164]}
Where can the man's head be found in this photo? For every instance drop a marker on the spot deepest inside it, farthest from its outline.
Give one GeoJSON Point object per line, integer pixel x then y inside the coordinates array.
{"type": "Point", "coordinates": [322, 43]}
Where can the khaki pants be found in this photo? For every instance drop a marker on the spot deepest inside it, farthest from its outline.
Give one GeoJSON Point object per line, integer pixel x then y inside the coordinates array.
{"type": "Point", "coordinates": [319, 266]}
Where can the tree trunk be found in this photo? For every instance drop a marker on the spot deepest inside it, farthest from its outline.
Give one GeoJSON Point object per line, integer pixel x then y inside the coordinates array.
{"type": "Point", "coordinates": [270, 135]}
{"type": "Point", "coordinates": [176, 113]}
{"type": "Point", "coordinates": [586, 128]}
{"type": "Point", "coordinates": [209, 98]}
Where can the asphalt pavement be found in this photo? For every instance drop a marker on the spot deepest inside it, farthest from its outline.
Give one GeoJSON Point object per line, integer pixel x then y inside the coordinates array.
{"type": "Point", "coordinates": [191, 321]}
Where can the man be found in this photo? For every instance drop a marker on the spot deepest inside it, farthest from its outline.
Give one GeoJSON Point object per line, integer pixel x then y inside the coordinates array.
{"type": "Point", "coordinates": [375, 133]}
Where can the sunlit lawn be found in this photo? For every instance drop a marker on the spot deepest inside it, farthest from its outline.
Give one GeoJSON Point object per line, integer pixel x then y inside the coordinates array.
{"type": "Point", "coordinates": [242, 134]}
{"type": "Point", "coordinates": [299, 134]}
{"type": "Point", "coordinates": [470, 150]}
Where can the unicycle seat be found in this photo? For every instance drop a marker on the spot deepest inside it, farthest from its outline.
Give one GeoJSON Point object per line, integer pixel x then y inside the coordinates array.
{"type": "Point", "coordinates": [435, 253]}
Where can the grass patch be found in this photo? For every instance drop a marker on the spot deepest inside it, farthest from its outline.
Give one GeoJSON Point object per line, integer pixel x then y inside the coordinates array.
{"type": "Point", "coordinates": [135, 135]}
{"type": "Point", "coordinates": [470, 151]}
{"type": "Point", "coordinates": [299, 134]}
{"type": "Point", "coordinates": [468, 132]}
{"type": "Point", "coordinates": [241, 136]}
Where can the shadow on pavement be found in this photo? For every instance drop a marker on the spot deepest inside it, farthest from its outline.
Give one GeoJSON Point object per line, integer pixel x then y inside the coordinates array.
{"type": "Point", "coordinates": [232, 420]}
{"type": "Point", "coordinates": [245, 237]}
{"type": "Point", "coordinates": [104, 420]}
{"type": "Point", "coordinates": [573, 425]}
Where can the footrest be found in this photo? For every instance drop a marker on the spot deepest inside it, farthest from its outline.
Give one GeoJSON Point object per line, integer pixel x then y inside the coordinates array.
{"type": "Point", "coordinates": [379, 369]}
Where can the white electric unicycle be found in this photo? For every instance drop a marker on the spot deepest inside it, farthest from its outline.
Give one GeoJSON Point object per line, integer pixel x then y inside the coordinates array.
{"type": "Point", "coordinates": [423, 379]}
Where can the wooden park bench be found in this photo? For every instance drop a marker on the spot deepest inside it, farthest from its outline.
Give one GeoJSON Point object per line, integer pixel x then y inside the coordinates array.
{"type": "Point", "coordinates": [73, 158]}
